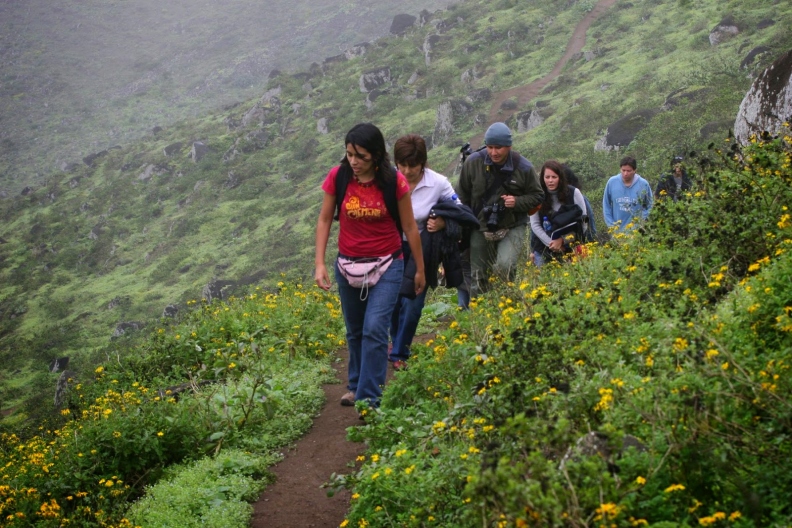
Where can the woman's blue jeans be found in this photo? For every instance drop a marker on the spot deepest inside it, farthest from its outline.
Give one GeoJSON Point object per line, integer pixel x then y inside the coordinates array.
{"type": "Point", "coordinates": [404, 323]}
{"type": "Point", "coordinates": [367, 323]}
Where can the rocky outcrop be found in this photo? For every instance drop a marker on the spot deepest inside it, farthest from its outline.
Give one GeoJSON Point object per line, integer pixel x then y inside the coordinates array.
{"type": "Point", "coordinates": [321, 126]}
{"type": "Point", "coordinates": [479, 96]}
{"type": "Point", "coordinates": [172, 149]}
{"type": "Point", "coordinates": [726, 29]}
{"type": "Point", "coordinates": [59, 365]}
{"type": "Point", "coordinates": [199, 151]}
{"type": "Point", "coordinates": [264, 110]}
{"type": "Point", "coordinates": [445, 117]}
{"type": "Point", "coordinates": [374, 79]}
{"type": "Point", "coordinates": [769, 101]}
{"type": "Point", "coordinates": [90, 159]}
{"type": "Point", "coordinates": [358, 50]}
{"type": "Point", "coordinates": [62, 389]}
{"type": "Point", "coordinates": [151, 170]}
{"type": "Point", "coordinates": [749, 59]}
{"type": "Point", "coordinates": [401, 23]}
{"type": "Point", "coordinates": [126, 327]}
{"type": "Point", "coordinates": [170, 311]}
{"type": "Point", "coordinates": [216, 289]}
{"type": "Point", "coordinates": [529, 120]}
{"type": "Point", "coordinates": [69, 166]}
{"type": "Point", "coordinates": [429, 45]}
{"type": "Point", "coordinates": [622, 132]}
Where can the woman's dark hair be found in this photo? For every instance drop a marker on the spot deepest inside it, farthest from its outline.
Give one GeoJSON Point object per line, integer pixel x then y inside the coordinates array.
{"type": "Point", "coordinates": [562, 190]}
{"type": "Point", "coordinates": [369, 137]}
{"type": "Point", "coordinates": [410, 150]}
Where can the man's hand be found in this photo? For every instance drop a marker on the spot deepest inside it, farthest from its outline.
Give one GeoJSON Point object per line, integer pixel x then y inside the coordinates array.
{"type": "Point", "coordinates": [509, 200]}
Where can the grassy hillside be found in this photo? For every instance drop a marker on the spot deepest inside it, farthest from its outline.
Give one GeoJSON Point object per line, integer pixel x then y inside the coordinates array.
{"type": "Point", "coordinates": [140, 230]}
{"type": "Point", "coordinates": [80, 77]}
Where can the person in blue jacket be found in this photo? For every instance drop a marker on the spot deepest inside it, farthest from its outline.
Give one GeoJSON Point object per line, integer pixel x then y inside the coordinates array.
{"type": "Point", "coordinates": [627, 199]}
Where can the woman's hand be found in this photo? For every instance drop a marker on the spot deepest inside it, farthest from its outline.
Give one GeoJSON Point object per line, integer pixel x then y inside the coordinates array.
{"type": "Point", "coordinates": [557, 245]}
{"type": "Point", "coordinates": [321, 277]}
{"type": "Point", "coordinates": [435, 224]}
{"type": "Point", "coordinates": [420, 282]}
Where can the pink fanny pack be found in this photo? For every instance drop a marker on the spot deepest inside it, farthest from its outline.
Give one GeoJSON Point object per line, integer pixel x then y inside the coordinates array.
{"type": "Point", "coordinates": [364, 272]}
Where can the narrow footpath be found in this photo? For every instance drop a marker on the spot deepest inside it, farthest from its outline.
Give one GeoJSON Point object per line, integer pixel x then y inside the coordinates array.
{"type": "Point", "coordinates": [296, 499]}
{"type": "Point", "coordinates": [527, 92]}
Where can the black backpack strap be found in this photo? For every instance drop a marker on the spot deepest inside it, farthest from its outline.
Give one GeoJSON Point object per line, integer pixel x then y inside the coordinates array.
{"type": "Point", "coordinates": [343, 176]}
{"type": "Point", "coordinates": [342, 180]}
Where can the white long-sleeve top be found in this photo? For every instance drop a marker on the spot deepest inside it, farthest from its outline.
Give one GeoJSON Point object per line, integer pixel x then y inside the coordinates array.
{"type": "Point", "coordinates": [536, 220]}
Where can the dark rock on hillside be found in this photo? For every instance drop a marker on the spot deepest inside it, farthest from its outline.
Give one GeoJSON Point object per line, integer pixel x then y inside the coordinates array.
{"type": "Point", "coordinates": [117, 301]}
{"type": "Point", "coordinates": [358, 50]}
{"type": "Point", "coordinates": [726, 29]}
{"type": "Point", "coordinates": [622, 132]}
{"type": "Point", "coordinates": [529, 120]}
{"type": "Point", "coordinates": [26, 191]}
{"type": "Point", "coordinates": [334, 59]}
{"type": "Point", "coordinates": [749, 59]}
{"type": "Point", "coordinates": [172, 149]}
{"type": "Point", "coordinates": [126, 327]}
{"type": "Point", "coordinates": [321, 125]}
{"type": "Point", "coordinates": [62, 388]}
{"type": "Point", "coordinates": [479, 96]}
{"type": "Point", "coordinates": [401, 23]}
{"type": "Point", "coordinates": [170, 311]}
{"type": "Point", "coordinates": [90, 159]}
{"type": "Point", "coordinates": [716, 129]}
{"type": "Point", "coordinates": [429, 45]}
{"type": "Point", "coordinates": [156, 130]}
{"type": "Point", "coordinates": [769, 101]}
{"type": "Point", "coordinates": [59, 364]}
{"type": "Point", "coordinates": [447, 113]}
{"type": "Point", "coordinates": [509, 104]}
{"type": "Point", "coordinates": [217, 289]}
{"type": "Point", "coordinates": [424, 17]}
{"type": "Point", "coordinates": [199, 150]}
{"type": "Point", "coordinates": [375, 78]}
{"type": "Point", "coordinates": [765, 23]}
{"type": "Point", "coordinates": [265, 111]}
{"type": "Point", "coordinates": [683, 96]}
{"type": "Point", "coordinates": [151, 170]}
{"type": "Point", "coordinates": [74, 182]}
{"type": "Point", "coordinates": [232, 182]}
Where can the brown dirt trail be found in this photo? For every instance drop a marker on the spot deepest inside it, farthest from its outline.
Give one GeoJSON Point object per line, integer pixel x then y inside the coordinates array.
{"type": "Point", "coordinates": [527, 92]}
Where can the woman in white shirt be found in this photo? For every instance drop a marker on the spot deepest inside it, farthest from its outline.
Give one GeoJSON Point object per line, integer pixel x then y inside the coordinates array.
{"type": "Point", "coordinates": [557, 192]}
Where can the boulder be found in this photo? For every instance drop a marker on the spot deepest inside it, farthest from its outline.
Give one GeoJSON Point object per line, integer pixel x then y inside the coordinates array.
{"type": "Point", "coordinates": [529, 120]}
{"type": "Point", "coordinates": [172, 149]}
{"type": "Point", "coordinates": [125, 328]}
{"type": "Point", "coordinates": [413, 78]}
{"type": "Point", "coordinates": [232, 181]}
{"type": "Point", "coordinates": [199, 150]}
{"type": "Point", "coordinates": [170, 311]}
{"type": "Point", "coordinates": [444, 123]}
{"type": "Point", "coordinates": [90, 159]}
{"type": "Point", "coordinates": [335, 59]}
{"type": "Point", "coordinates": [95, 232]}
{"type": "Point", "coordinates": [62, 389]}
{"type": "Point", "coordinates": [769, 101]}
{"type": "Point", "coordinates": [216, 289]}
{"type": "Point", "coordinates": [26, 191]}
{"type": "Point", "coordinates": [58, 365]}
{"type": "Point", "coordinates": [623, 131]}
{"type": "Point", "coordinates": [424, 17]}
{"type": "Point", "coordinates": [156, 130]}
{"type": "Point", "coordinates": [726, 29]}
{"type": "Point", "coordinates": [375, 78]}
{"type": "Point", "coordinates": [358, 50]}
{"type": "Point", "coordinates": [479, 96]}
{"type": "Point", "coordinates": [749, 59]}
{"type": "Point", "coordinates": [401, 23]}
{"type": "Point", "coordinates": [321, 126]}
{"type": "Point", "coordinates": [429, 44]}
{"type": "Point", "coordinates": [74, 182]}
{"type": "Point", "coordinates": [509, 104]}
{"type": "Point", "coordinates": [765, 23]}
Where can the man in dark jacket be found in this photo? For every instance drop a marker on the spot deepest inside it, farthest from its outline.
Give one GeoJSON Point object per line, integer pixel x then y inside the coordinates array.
{"type": "Point", "coordinates": [675, 183]}
{"type": "Point", "coordinates": [502, 189]}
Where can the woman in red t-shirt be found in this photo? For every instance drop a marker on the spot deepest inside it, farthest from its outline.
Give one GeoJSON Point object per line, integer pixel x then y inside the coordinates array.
{"type": "Point", "coordinates": [367, 229]}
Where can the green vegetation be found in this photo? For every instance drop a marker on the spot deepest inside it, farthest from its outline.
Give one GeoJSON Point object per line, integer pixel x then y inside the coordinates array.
{"type": "Point", "coordinates": [240, 378]}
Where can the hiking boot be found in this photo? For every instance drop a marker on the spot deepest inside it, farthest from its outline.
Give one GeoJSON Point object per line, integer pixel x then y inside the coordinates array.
{"type": "Point", "coordinates": [348, 399]}
{"type": "Point", "coordinates": [399, 365]}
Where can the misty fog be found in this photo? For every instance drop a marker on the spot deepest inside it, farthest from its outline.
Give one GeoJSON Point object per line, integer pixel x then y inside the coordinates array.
{"type": "Point", "coordinates": [81, 76]}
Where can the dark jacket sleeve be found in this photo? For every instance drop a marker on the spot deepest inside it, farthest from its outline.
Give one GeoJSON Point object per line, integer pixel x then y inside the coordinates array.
{"type": "Point", "coordinates": [533, 195]}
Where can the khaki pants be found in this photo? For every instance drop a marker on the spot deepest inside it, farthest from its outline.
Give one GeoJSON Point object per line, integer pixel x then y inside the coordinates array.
{"type": "Point", "coordinates": [501, 258]}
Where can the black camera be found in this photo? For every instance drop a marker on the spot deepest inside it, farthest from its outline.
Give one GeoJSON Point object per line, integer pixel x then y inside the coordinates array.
{"type": "Point", "coordinates": [465, 151]}
{"type": "Point", "coordinates": [493, 214]}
